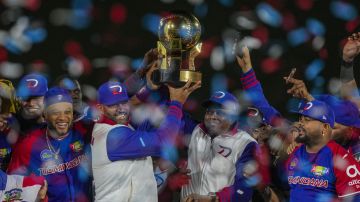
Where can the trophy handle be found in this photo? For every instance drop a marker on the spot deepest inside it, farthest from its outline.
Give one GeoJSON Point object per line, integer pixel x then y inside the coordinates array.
{"type": "Point", "coordinates": [195, 51]}
{"type": "Point", "coordinates": [162, 50]}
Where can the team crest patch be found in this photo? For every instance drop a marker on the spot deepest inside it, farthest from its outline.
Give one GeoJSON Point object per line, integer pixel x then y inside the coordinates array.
{"type": "Point", "coordinates": [13, 195]}
{"type": "Point", "coordinates": [77, 146]}
{"type": "Point", "coordinates": [46, 155]}
{"type": "Point", "coordinates": [224, 151]}
{"type": "Point", "coordinates": [293, 163]}
{"type": "Point", "coordinates": [319, 170]}
{"type": "Point", "coordinates": [4, 152]}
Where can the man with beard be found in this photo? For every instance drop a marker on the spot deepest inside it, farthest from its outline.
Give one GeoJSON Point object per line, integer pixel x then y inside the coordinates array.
{"type": "Point", "coordinates": [221, 157]}
{"type": "Point", "coordinates": [56, 152]}
{"type": "Point", "coordinates": [320, 169]}
{"type": "Point", "coordinates": [31, 91]}
{"type": "Point", "coordinates": [121, 155]}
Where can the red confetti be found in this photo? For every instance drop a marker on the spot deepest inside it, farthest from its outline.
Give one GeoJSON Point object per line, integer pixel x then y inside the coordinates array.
{"type": "Point", "coordinates": [270, 65]}
{"type": "Point", "coordinates": [118, 14]}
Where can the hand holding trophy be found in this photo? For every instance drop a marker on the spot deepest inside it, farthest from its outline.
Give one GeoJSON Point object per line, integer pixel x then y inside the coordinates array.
{"type": "Point", "coordinates": [179, 36]}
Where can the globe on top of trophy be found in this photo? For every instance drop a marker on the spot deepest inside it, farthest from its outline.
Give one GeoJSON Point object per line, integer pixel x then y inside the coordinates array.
{"type": "Point", "coordinates": [179, 36]}
{"type": "Point", "coordinates": [180, 26]}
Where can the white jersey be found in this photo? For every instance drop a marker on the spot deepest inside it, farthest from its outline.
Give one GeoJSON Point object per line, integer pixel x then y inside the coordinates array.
{"type": "Point", "coordinates": [213, 162]}
{"type": "Point", "coordinates": [121, 180]}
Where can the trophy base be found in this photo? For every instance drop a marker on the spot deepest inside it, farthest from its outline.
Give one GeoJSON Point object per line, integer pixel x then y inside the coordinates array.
{"type": "Point", "coordinates": [175, 79]}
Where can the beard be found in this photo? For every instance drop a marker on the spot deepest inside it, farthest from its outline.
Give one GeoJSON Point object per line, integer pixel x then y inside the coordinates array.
{"type": "Point", "coordinates": [302, 136]}
{"type": "Point", "coordinates": [59, 133]}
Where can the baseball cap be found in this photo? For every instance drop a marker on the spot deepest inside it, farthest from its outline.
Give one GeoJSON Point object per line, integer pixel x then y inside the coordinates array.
{"type": "Point", "coordinates": [112, 92]}
{"type": "Point", "coordinates": [55, 95]}
{"type": "Point", "coordinates": [317, 110]}
{"type": "Point", "coordinates": [224, 99]}
{"type": "Point", "coordinates": [346, 112]}
{"type": "Point", "coordinates": [32, 85]}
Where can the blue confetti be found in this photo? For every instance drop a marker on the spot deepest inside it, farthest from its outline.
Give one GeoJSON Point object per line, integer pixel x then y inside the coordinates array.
{"type": "Point", "coordinates": [319, 81]}
{"type": "Point", "coordinates": [315, 27]}
{"type": "Point", "coordinates": [201, 10]}
{"type": "Point", "coordinates": [298, 36]}
{"type": "Point", "coordinates": [218, 83]}
{"type": "Point", "coordinates": [268, 15]}
{"type": "Point", "coordinates": [226, 3]}
{"type": "Point", "coordinates": [343, 10]}
{"type": "Point", "coordinates": [314, 68]}
{"type": "Point", "coordinates": [36, 35]}
{"type": "Point", "coordinates": [151, 23]}
{"type": "Point", "coordinates": [136, 63]}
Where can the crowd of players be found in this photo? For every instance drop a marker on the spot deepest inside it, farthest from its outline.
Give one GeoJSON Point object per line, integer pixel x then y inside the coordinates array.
{"type": "Point", "coordinates": [140, 145]}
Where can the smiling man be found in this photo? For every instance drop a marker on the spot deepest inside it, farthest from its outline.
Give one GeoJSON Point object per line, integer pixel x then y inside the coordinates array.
{"type": "Point", "coordinates": [56, 152]}
{"type": "Point", "coordinates": [31, 91]}
{"type": "Point", "coordinates": [320, 169]}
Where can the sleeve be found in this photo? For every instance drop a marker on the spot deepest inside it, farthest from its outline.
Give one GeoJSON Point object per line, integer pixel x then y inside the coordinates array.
{"type": "Point", "coordinates": [3, 180]}
{"type": "Point", "coordinates": [255, 93]}
{"type": "Point", "coordinates": [20, 158]}
{"type": "Point", "coordinates": [242, 189]}
{"type": "Point", "coordinates": [123, 143]}
{"type": "Point", "coordinates": [134, 83]}
{"type": "Point", "coordinates": [347, 175]}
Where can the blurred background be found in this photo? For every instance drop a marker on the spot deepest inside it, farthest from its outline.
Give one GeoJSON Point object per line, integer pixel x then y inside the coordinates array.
{"type": "Point", "coordinates": [93, 40]}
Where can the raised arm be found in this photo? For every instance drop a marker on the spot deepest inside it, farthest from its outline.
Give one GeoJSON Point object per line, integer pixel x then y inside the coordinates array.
{"type": "Point", "coordinates": [349, 89]}
{"type": "Point", "coordinates": [125, 143]}
{"type": "Point", "coordinates": [253, 87]}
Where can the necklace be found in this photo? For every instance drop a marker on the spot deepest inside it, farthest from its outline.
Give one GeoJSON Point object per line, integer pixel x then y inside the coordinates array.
{"type": "Point", "coordinates": [56, 153]}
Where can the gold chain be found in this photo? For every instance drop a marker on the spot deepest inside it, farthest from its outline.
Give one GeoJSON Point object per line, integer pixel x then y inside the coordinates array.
{"type": "Point", "coordinates": [51, 147]}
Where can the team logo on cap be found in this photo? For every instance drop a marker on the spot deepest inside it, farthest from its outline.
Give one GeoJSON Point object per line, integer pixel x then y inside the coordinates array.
{"type": "Point", "coordinates": [308, 106]}
{"type": "Point", "coordinates": [219, 94]}
{"type": "Point", "coordinates": [32, 83]}
{"type": "Point", "coordinates": [116, 89]}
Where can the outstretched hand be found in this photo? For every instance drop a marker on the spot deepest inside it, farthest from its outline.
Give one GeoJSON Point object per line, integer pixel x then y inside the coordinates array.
{"type": "Point", "coordinates": [150, 58]}
{"type": "Point", "coordinates": [181, 94]}
{"type": "Point", "coordinates": [245, 61]}
{"type": "Point", "coordinates": [352, 47]}
{"type": "Point", "coordinates": [298, 89]}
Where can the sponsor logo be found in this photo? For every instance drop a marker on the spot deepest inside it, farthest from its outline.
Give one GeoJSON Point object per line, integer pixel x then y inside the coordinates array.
{"type": "Point", "coordinates": [4, 152]}
{"type": "Point", "coordinates": [77, 146]}
{"type": "Point", "coordinates": [116, 89]}
{"type": "Point", "coordinates": [293, 163]}
{"type": "Point", "coordinates": [314, 182]}
{"type": "Point", "coordinates": [354, 182]}
{"type": "Point", "coordinates": [13, 195]}
{"type": "Point", "coordinates": [319, 170]}
{"type": "Point", "coordinates": [352, 171]}
{"type": "Point", "coordinates": [32, 83]}
{"type": "Point", "coordinates": [63, 166]}
{"type": "Point", "coordinates": [46, 155]}
{"type": "Point", "coordinates": [224, 151]}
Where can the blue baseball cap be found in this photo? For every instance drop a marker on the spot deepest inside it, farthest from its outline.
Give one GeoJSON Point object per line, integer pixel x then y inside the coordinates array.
{"type": "Point", "coordinates": [224, 99]}
{"type": "Point", "coordinates": [32, 85]}
{"type": "Point", "coordinates": [346, 112]}
{"type": "Point", "coordinates": [112, 92]}
{"type": "Point", "coordinates": [317, 110]}
{"type": "Point", "coordinates": [55, 95]}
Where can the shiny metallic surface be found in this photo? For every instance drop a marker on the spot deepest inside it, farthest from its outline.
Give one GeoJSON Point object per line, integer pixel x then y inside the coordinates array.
{"type": "Point", "coordinates": [185, 27]}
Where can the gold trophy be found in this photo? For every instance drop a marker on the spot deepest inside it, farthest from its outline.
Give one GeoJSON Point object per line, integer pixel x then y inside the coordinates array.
{"type": "Point", "coordinates": [179, 36]}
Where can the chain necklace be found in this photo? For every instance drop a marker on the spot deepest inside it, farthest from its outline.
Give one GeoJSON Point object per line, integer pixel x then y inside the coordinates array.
{"type": "Point", "coordinates": [56, 153]}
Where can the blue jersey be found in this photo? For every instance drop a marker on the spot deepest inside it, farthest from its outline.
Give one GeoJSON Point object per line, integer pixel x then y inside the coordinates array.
{"type": "Point", "coordinates": [324, 176]}
{"type": "Point", "coordinates": [5, 150]}
{"type": "Point", "coordinates": [64, 164]}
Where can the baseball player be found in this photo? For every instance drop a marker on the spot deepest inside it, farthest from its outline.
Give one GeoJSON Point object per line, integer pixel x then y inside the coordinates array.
{"type": "Point", "coordinates": [320, 169]}
{"type": "Point", "coordinates": [121, 162]}
{"type": "Point", "coordinates": [56, 151]}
